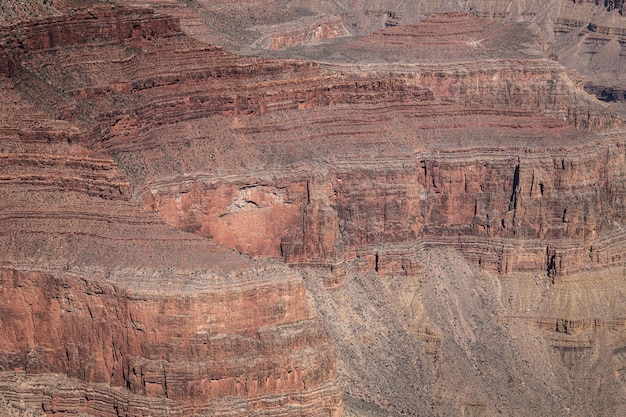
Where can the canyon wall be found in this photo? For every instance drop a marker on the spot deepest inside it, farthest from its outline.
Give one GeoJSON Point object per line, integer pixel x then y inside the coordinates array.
{"type": "Point", "coordinates": [166, 353]}
{"type": "Point", "coordinates": [501, 180]}
{"type": "Point", "coordinates": [106, 310]}
{"type": "Point", "coordinates": [444, 187]}
{"type": "Point", "coordinates": [555, 213]}
{"type": "Point", "coordinates": [82, 27]}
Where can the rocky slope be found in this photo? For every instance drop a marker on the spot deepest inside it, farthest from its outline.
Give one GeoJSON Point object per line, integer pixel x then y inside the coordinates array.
{"type": "Point", "coordinates": [451, 195]}
{"type": "Point", "coordinates": [585, 35]}
{"type": "Point", "coordinates": [453, 340]}
{"type": "Point", "coordinates": [106, 310]}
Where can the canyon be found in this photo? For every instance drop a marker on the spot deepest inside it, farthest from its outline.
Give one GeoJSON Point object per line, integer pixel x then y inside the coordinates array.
{"type": "Point", "coordinates": [312, 208]}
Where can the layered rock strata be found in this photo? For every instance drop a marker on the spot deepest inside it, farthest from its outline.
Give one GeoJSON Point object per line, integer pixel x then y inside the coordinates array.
{"type": "Point", "coordinates": [378, 169]}
{"type": "Point", "coordinates": [167, 351]}
{"type": "Point", "coordinates": [106, 310]}
{"type": "Point", "coordinates": [85, 26]}
{"type": "Point", "coordinates": [470, 196]}
{"type": "Point", "coordinates": [585, 36]}
{"type": "Point", "coordinates": [306, 31]}
{"type": "Point", "coordinates": [555, 213]}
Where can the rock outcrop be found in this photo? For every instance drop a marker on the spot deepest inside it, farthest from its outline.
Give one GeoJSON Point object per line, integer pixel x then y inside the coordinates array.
{"type": "Point", "coordinates": [82, 27]}
{"type": "Point", "coordinates": [472, 162]}
{"type": "Point", "coordinates": [173, 351]}
{"type": "Point", "coordinates": [445, 187]}
{"type": "Point", "coordinates": [108, 311]}
{"type": "Point", "coordinates": [453, 340]}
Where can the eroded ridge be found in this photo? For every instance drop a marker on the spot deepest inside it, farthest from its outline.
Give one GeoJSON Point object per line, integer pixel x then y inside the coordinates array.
{"type": "Point", "coordinates": [398, 116]}
{"type": "Point", "coordinates": [108, 311]}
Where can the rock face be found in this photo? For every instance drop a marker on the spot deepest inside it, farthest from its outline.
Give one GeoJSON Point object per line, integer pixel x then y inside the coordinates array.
{"type": "Point", "coordinates": [454, 185]}
{"type": "Point", "coordinates": [174, 352]}
{"type": "Point", "coordinates": [81, 28]}
{"type": "Point", "coordinates": [106, 310]}
{"type": "Point", "coordinates": [451, 195]}
{"type": "Point", "coordinates": [586, 36]}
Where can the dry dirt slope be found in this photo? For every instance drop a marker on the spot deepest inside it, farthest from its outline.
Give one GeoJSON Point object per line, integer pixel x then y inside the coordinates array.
{"type": "Point", "coordinates": [456, 341]}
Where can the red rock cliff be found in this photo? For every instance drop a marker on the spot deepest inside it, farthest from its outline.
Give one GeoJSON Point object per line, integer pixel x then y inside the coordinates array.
{"type": "Point", "coordinates": [459, 153]}
{"type": "Point", "coordinates": [353, 160]}
{"type": "Point", "coordinates": [125, 314]}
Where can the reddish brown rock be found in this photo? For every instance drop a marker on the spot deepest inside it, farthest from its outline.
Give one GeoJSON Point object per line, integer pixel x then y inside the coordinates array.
{"type": "Point", "coordinates": [414, 191]}
{"type": "Point", "coordinates": [585, 36]}
{"type": "Point", "coordinates": [110, 312]}
{"type": "Point", "coordinates": [172, 343]}
{"type": "Point", "coordinates": [375, 161]}
{"type": "Point", "coordinates": [307, 31]}
{"type": "Point", "coordinates": [81, 27]}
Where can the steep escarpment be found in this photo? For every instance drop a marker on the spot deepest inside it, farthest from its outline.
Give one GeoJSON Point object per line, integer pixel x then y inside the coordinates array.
{"type": "Point", "coordinates": [175, 348]}
{"type": "Point", "coordinates": [528, 211]}
{"type": "Point", "coordinates": [479, 202]}
{"type": "Point", "coordinates": [459, 153]}
{"type": "Point", "coordinates": [106, 310]}
{"type": "Point", "coordinates": [376, 187]}
{"type": "Point", "coordinates": [446, 189]}
{"type": "Point", "coordinates": [197, 81]}
{"type": "Point", "coordinates": [312, 216]}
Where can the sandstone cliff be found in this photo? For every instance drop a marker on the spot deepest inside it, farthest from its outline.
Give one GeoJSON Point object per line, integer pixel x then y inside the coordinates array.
{"type": "Point", "coordinates": [106, 310]}
{"type": "Point", "coordinates": [452, 196]}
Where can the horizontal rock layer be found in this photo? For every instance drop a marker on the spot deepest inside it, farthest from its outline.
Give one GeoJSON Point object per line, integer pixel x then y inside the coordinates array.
{"type": "Point", "coordinates": [180, 348]}
{"type": "Point", "coordinates": [54, 394]}
{"type": "Point", "coordinates": [586, 36]}
{"type": "Point", "coordinates": [100, 25]}
{"type": "Point", "coordinates": [556, 213]}
{"type": "Point", "coordinates": [107, 310]}
{"type": "Point", "coordinates": [358, 162]}
{"type": "Point", "coordinates": [332, 215]}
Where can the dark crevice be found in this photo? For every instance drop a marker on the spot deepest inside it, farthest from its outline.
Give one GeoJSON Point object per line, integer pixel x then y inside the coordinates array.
{"type": "Point", "coordinates": [376, 262]}
{"type": "Point", "coordinates": [516, 187]}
